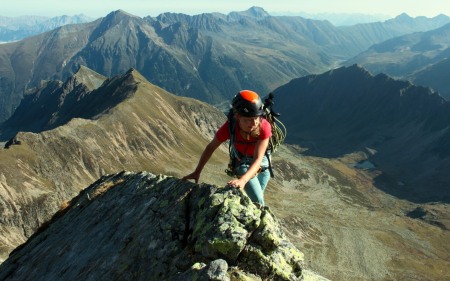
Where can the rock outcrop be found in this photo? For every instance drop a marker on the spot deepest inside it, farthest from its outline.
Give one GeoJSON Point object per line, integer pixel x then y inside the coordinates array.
{"type": "Point", "coordinates": [138, 226]}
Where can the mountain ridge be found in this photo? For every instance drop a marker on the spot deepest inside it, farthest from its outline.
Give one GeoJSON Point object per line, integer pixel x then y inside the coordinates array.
{"type": "Point", "coordinates": [211, 55]}
{"type": "Point", "coordinates": [407, 56]}
{"type": "Point", "coordinates": [399, 126]}
{"type": "Point", "coordinates": [145, 131]}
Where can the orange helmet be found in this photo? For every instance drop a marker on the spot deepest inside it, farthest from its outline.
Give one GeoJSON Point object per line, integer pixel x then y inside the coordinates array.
{"type": "Point", "coordinates": [248, 103]}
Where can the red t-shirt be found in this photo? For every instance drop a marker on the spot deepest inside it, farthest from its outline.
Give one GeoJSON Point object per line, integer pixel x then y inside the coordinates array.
{"type": "Point", "coordinates": [242, 145]}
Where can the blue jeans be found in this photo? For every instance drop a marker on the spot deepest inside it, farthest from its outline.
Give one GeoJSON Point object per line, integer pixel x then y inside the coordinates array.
{"type": "Point", "coordinates": [255, 186]}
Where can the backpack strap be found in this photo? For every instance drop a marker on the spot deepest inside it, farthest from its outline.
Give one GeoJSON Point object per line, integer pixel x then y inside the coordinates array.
{"type": "Point", "coordinates": [231, 148]}
{"type": "Point", "coordinates": [236, 155]}
{"type": "Point", "coordinates": [270, 163]}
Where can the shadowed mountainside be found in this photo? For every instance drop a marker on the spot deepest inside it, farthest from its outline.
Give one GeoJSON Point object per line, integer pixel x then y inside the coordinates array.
{"type": "Point", "coordinates": [434, 76]}
{"type": "Point", "coordinates": [150, 227]}
{"type": "Point", "coordinates": [56, 103]}
{"type": "Point", "coordinates": [402, 129]}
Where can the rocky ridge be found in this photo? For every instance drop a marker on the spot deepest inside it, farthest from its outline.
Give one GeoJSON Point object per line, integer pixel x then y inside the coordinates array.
{"type": "Point", "coordinates": [138, 226]}
{"type": "Point", "coordinates": [129, 124]}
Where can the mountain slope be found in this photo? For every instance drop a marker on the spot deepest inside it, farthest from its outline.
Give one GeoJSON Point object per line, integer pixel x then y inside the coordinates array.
{"type": "Point", "coordinates": [348, 228]}
{"type": "Point", "coordinates": [434, 76]}
{"type": "Point", "coordinates": [183, 59]}
{"type": "Point", "coordinates": [146, 129]}
{"type": "Point", "coordinates": [17, 28]}
{"type": "Point", "coordinates": [366, 35]}
{"type": "Point", "coordinates": [402, 128]}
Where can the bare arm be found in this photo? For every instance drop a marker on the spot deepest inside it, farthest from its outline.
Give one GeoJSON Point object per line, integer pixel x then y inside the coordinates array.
{"type": "Point", "coordinates": [204, 158]}
{"type": "Point", "coordinates": [260, 150]}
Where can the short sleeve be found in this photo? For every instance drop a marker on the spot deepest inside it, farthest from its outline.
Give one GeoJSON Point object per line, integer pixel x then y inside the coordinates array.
{"type": "Point", "coordinates": [266, 130]}
{"type": "Point", "coordinates": [223, 133]}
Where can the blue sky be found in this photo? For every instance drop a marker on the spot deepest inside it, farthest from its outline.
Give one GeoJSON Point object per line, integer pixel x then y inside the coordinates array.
{"type": "Point", "coordinates": [100, 8]}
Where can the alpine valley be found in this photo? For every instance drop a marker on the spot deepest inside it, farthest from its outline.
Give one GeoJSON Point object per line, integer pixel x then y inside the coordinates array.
{"type": "Point", "coordinates": [361, 184]}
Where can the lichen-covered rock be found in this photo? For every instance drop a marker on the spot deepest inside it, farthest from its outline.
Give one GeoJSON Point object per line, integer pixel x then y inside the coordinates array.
{"type": "Point", "coordinates": [138, 226]}
{"type": "Point", "coordinates": [216, 270]}
{"type": "Point", "coordinates": [223, 223]}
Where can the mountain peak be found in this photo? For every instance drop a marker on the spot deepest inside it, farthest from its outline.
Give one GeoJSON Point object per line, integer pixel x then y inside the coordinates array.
{"type": "Point", "coordinates": [88, 77]}
{"type": "Point", "coordinates": [257, 12]}
{"type": "Point", "coordinates": [348, 109]}
{"type": "Point", "coordinates": [147, 225]}
{"type": "Point", "coordinates": [253, 12]}
{"type": "Point", "coordinates": [403, 17]}
{"type": "Point", "coordinates": [117, 16]}
{"type": "Point", "coordinates": [85, 94]}
{"type": "Point", "coordinates": [120, 13]}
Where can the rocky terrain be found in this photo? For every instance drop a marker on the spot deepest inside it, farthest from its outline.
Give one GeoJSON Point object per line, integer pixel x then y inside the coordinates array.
{"type": "Point", "coordinates": [146, 130]}
{"type": "Point", "coordinates": [330, 208]}
{"type": "Point", "coordinates": [138, 226]}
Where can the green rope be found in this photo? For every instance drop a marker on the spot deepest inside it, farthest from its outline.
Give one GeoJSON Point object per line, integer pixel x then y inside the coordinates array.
{"type": "Point", "coordinates": [278, 132]}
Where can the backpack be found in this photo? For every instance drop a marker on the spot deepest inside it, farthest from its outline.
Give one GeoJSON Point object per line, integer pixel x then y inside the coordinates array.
{"type": "Point", "coordinates": [278, 135]}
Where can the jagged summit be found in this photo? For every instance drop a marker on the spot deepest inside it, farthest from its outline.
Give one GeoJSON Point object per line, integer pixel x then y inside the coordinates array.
{"type": "Point", "coordinates": [253, 12]}
{"type": "Point", "coordinates": [138, 226]}
{"type": "Point", "coordinates": [88, 77]}
{"type": "Point", "coordinates": [86, 94]}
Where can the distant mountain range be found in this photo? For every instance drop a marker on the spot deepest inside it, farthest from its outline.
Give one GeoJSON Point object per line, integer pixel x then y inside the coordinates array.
{"type": "Point", "coordinates": [344, 19]}
{"type": "Point", "coordinates": [421, 57]}
{"type": "Point", "coordinates": [209, 56]}
{"type": "Point", "coordinates": [17, 28]}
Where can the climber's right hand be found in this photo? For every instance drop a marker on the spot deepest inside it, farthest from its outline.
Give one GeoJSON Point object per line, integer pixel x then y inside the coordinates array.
{"type": "Point", "coordinates": [192, 176]}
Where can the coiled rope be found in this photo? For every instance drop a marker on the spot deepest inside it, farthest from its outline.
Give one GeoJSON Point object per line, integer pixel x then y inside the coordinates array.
{"type": "Point", "coordinates": [279, 132]}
